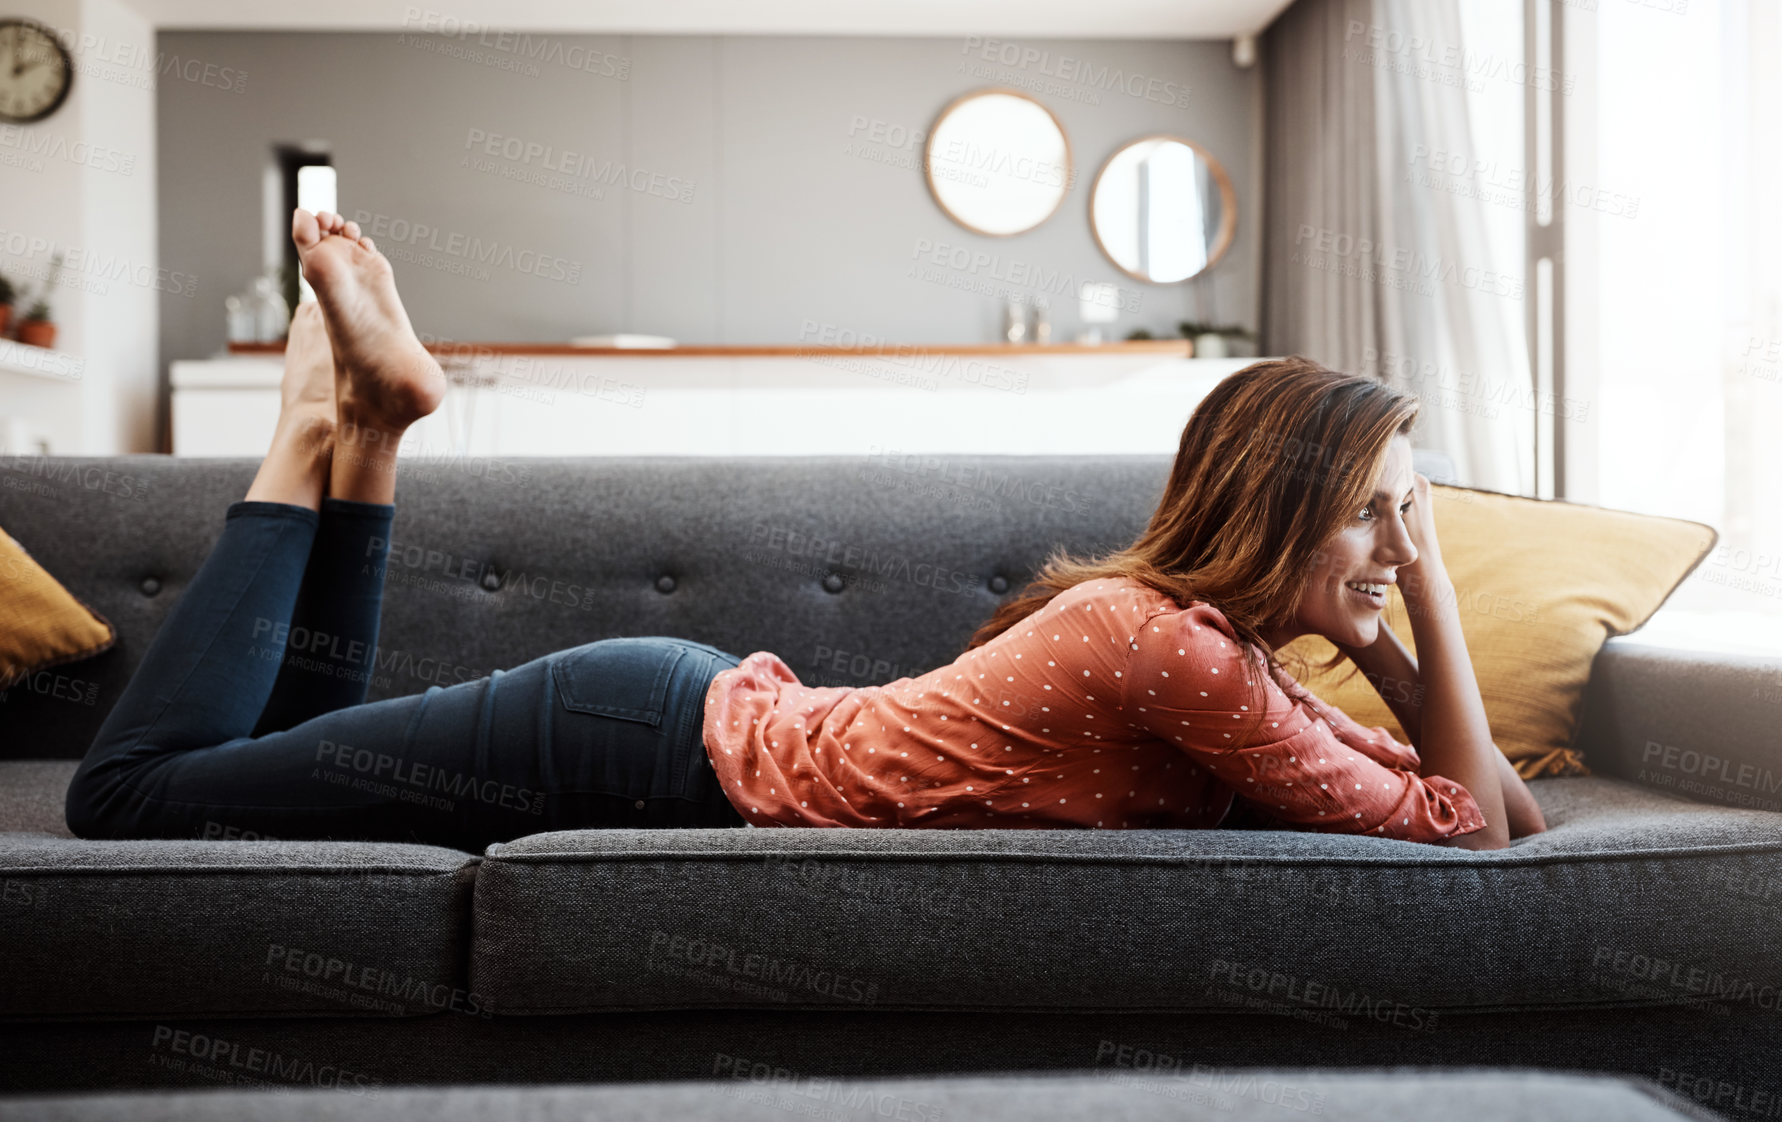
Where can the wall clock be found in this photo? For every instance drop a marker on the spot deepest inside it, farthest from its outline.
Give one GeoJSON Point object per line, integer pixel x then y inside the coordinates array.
{"type": "Point", "coordinates": [35, 71]}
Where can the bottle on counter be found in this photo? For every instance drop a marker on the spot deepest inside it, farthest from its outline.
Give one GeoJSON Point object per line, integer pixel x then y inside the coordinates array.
{"type": "Point", "coordinates": [1014, 321]}
{"type": "Point", "coordinates": [272, 319]}
{"type": "Point", "coordinates": [242, 324]}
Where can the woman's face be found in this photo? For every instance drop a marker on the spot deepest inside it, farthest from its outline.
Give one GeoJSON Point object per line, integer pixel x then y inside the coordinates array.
{"type": "Point", "coordinates": [1347, 591]}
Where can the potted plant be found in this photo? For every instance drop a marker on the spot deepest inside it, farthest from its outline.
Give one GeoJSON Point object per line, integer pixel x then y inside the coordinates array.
{"type": "Point", "coordinates": [6, 298]}
{"type": "Point", "coordinates": [37, 329]}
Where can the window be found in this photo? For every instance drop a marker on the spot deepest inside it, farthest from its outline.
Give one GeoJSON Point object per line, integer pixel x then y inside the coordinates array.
{"type": "Point", "coordinates": [307, 177]}
{"type": "Point", "coordinates": [1688, 334]}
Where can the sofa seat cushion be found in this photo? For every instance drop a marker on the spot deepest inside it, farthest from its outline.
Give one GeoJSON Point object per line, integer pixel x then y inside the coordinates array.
{"type": "Point", "coordinates": [743, 1092]}
{"type": "Point", "coordinates": [1631, 897]}
{"type": "Point", "coordinates": [137, 929]}
{"type": "Point", "coordinates": [32, 794]}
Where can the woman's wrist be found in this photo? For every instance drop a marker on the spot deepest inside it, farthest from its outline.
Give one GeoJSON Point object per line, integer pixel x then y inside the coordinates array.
{"type": "Point", "coordinates": [1391, 669]}
{"type": "Point", "coordinates": [1426, 589]}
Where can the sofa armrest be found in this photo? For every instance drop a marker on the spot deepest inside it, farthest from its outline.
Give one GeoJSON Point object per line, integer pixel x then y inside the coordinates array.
{"type": "Point", "coordinates": [1705, 725]}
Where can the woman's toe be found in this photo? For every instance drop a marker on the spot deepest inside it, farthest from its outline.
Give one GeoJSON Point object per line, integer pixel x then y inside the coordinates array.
{"type": "Point", "coordinates": [305, 229]}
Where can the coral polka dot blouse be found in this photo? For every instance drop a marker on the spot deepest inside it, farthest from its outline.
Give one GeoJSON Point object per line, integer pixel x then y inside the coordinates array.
{"type": "Point", "coordinates": [1112, 706]}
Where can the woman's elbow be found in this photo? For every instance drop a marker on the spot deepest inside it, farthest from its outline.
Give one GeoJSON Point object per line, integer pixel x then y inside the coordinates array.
{"type": "Point", "coordinates": [1486, 837]}
{"type": "Point", "coordinates": [1534, 824]}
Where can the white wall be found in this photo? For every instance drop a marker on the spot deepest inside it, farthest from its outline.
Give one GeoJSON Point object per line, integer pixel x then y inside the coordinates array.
{"type": "Point", "coordinates": [121, 330]}
{"type": "Point", "coordinates": [83, 182]}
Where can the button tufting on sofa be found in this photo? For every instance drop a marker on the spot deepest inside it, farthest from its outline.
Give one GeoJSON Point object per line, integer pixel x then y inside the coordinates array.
{"type": "Point", "coordinates": [834, 582]}
{"type": "Point", "coordinates": [665, 583]}
{"type": "Point", "coordinates": [999, 584]}
{"type": "Point", "coordinates": [149, 586]}
{"type": "Point", "coordinates": [491, 581]}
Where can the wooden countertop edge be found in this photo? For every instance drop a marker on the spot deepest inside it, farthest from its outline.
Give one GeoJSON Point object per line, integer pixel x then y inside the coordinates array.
{"type": "Point", "coordinates": [1179, 348]}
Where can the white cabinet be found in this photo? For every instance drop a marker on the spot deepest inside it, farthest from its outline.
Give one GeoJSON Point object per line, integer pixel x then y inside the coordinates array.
{"type": "Point", "coordinates": [845, 404]}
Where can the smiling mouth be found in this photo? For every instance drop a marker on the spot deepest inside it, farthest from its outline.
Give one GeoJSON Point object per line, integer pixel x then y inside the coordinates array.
{"type": "Point", "coordinates": [1373, 593]}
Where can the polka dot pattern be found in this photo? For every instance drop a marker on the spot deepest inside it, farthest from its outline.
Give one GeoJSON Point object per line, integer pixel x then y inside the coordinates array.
{"type": "Point", "coordinates": [1111, 707]}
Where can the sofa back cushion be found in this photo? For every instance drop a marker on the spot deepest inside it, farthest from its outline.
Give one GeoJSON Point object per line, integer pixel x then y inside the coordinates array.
{"type": "Point", "coordinates": [854, 569]}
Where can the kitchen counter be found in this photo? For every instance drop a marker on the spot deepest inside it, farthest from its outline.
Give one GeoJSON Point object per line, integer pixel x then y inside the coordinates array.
{"type": "Point", "coordinates": [751, 401]}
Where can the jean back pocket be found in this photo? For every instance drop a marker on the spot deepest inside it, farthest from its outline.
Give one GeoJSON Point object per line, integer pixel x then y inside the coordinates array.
{"type": "Point", "coordinates": [626, 678]}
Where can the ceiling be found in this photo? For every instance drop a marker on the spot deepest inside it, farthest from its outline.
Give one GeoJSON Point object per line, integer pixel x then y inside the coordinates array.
{"type": "Point", "coordinates": [1100, 19]}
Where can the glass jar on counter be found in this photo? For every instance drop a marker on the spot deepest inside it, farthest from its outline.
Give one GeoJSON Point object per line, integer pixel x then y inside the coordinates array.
{"type": "Point", "coordinates": [259, 314]}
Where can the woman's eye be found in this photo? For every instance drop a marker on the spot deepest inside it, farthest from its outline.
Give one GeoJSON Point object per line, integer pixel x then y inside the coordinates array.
{"type": "Point", "coordinates": [1405, 507]}
{"type": "Point", "coordinates": [1367, 513]}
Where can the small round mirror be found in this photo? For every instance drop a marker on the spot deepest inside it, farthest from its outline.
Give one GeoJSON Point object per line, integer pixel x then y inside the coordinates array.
{"type": "Point", "coordinates": [997, 162]}
{"type": "Point", "coordinates": [1162, 209]}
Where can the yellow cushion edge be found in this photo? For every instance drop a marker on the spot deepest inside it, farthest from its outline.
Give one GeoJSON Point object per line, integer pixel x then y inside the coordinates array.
{"type": "Point", "coordinates": [42, 624]}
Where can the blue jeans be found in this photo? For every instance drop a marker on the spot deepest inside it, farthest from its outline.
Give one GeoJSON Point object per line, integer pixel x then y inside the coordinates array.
{"type": "Point", "coordinates": [247, 716]}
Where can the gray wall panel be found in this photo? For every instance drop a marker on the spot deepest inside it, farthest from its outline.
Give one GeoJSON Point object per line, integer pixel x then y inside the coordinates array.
{"type": "Point", "coordinates": [788, 221]}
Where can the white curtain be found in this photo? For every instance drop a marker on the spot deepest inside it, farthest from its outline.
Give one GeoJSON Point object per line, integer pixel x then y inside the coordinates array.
{"type": "Point", "coordinates": [1378, 258]}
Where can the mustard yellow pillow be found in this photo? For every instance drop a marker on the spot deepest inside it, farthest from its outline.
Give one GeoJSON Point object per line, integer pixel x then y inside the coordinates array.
{"type": "Point", "coordinates": [1541, 584]}
{"type": "Point", "coordinates": [40, 623]}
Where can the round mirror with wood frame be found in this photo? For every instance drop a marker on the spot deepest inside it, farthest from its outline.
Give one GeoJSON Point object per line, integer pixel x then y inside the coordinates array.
{"type": "Point", "coordinates": [997, 162]}
{"type": "Point", "coordinates": [1162, 209]}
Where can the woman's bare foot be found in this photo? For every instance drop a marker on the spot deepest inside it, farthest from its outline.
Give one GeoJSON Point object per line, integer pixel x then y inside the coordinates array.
{"type": "Point", "coordinates": [298, 466]}
{"type": "Point", "coordinates": [306, 392]}
{"type": "Point", "coordinates": [386, 380]}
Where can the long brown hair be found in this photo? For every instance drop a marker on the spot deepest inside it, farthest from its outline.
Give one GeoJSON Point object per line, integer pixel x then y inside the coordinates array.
{"type": "Point", "coordinates": [1272, 464]}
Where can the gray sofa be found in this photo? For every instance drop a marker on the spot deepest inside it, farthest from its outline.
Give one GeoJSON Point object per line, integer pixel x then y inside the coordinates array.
{"type": "Point", "coordinates": [738, 1094]}
{"type": "Point", "coordinates": [1638, 935]}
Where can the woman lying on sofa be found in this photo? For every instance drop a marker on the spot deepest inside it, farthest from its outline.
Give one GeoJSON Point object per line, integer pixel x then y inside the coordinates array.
{"type": "Point", "coordinates": [1137, 690]}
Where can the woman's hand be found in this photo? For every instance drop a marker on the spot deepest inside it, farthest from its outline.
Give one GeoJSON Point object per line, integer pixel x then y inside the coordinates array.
{"type": "Point", "coordinates": [1425, 580]}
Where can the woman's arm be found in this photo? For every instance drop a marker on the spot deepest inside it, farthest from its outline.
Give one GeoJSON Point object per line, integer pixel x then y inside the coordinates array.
{"type": "Point", "coordinates": [1189, 680]}
{"type": "Point", "coordinates": [1454, 738]}
{"type": "Point", "coordinates": [1519, 803]}
{"type": "Point", "coordinates": [1392, 670]}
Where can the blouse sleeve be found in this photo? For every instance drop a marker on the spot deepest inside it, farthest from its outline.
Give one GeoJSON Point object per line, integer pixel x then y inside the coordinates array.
{"type": "Point", "coordinates": [1189, 684]}
{"type": "Point", "coordinates": [1379, 745]}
